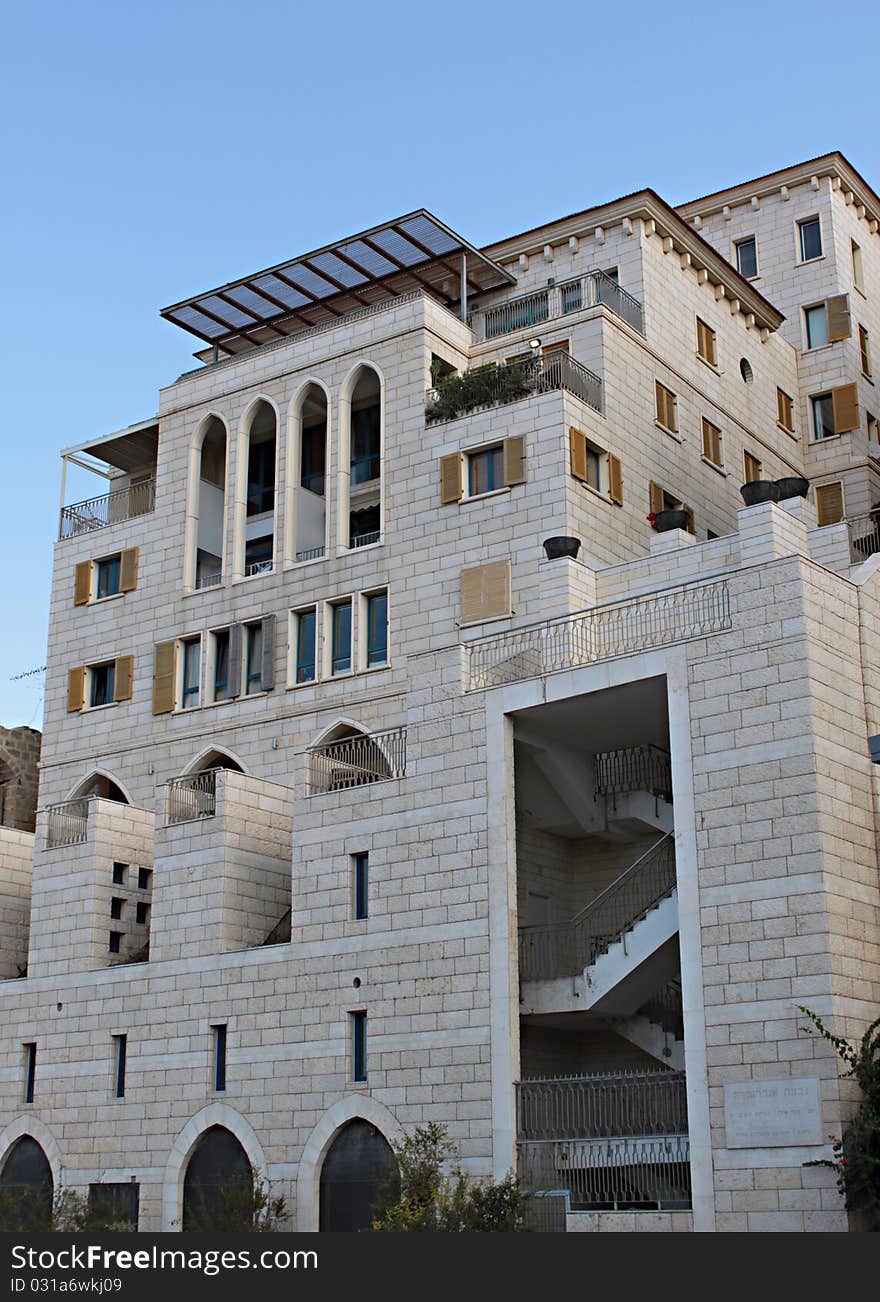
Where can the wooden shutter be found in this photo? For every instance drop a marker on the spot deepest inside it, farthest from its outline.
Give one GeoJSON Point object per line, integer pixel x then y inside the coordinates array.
{"type": "Point", "coordinates": [666, 413]}
{"type": "Point", "coordinates": [485, 592]}
{"type": "Point", "coordinates": [267, 668]}
{"type": "Point", "coordinates": [577, 446]}
{"type": "Point", "coordinates": [839, 326]}
{"type": "Point", "coordinates": [829, 503]}
{"type": "Point", "coordinates": [784, 409]}
{"type": "Point", "coordinates": [128, 569]}
{"type": "Point", "coordinates": [76, 688]}
{"type": "Point", "coordinates": [655, 496]}
{"type": "Point", "coordinates": [845, 405]}
{"type": "Point", "coordinates": [164, 659]}
{"type": "Point", "coordinates": [235, 641]}
{"type": "Point", "coordinates": [615, 480]}
{"type": "Point", "coordinates": [450, 479]}
{"type": "Point", "coordinates": [123, 678]}
{"type": "Point", "coordinates": [513, 459]}
{"type": "Point", "coordinates": [82, 584]}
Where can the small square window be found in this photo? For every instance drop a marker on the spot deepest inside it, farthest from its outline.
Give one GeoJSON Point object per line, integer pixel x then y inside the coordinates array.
{"type": "Point", "coordinates": [119, 872]}
{"type": "Point", "coordinates": [116, 907]}
{"type": "Point", "coordinates": [747, 257]}
{"type": "Point", "coordinates": [822, 405]}
{"type": "Point", "coordinates": [103, 682]}
{"type": "Point", "coordinates": [107, 577]}
{"type": "Point", "coordinates": [115, 942]}
{"type": "Point", "coordinates": [816, 320]}
{"type": "Point", "coordinates": [145, 876]}
{"type": "Point", "coordinates": [810, 236]}
{"type": "Point", "coordinates": [485, 471]}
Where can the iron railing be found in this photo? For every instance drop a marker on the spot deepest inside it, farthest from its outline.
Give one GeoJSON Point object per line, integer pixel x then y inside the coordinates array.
{"type": "Point", "coordinates": [561, 949]}
{"type": "Point", "coordinates": [209, 580]}
{"type": "Point", "coordinates": [310, 554]}
{"type": "Point", "coordinates": [608, 1106]}
{"type": "Point", "coordinates": [191, 796]}
{"type": "Point", "coordinates": [67, 823]}
{"type": "Point", "coordinates": [555, 301]}
{"type": "Point", "coordinates": [365, 539]}
{"type": "Point", "coordinates": [356, 760]}
{"type": "Point", "coordinates": [639, 768]}
{"type": "Point", "coordinates": [598, 1175]}
{"type": "Point", "coordinates": [665, 1007]}
{"type": "Point", "coordinates": [493, 386]}
{"type": "Point", "coordinates": [864, 537]}
{"type": "Point", "coordinates": [617, 629]}
{"type": "Point", "coordinates": [259, 567]}
{"type": "Point", "coordinates": [99, 512]}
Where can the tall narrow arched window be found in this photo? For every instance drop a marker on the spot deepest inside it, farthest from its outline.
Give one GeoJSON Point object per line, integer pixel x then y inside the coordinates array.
{"type": "Point", "coordinates": [211, 506]}
{"type": "Point", "coordinates": [308, 478]}
{"type": "Point", "coordinates": [261, 469]}
{"type": "Point", "coordinates": [358, 1170]}
{"type": "Point", "coordinates": [26, 1188]}
{"type": "Point", "coordinates": [361, 468]}
{"type": "Point", "coordinates": [218, 1187]}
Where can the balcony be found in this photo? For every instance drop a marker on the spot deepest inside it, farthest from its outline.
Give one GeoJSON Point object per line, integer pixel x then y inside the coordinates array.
{"type": "Point", "coordinates": [99, 512]}
{"type": "Point", "coordinates": [592, 290]}
{"type": "Point", "coordinates": [864, 537]}
{"type": "Point", "coordinates": [190, 797]}
{"type": "Point", "coordinates": [617, 629]}
{"type": "Point", "coordinates": [356, 760]}
{"type": "Point", "coordinates": [494, 386]}
{"type": "Point", "coordinates": [67, 823]}
{"type": "Point", "coordinates": [640, 768]}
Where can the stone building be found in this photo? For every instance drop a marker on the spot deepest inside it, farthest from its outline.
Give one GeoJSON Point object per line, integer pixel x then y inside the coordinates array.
{"type": "Point", "coordinates": [19, 775]}
{"type": "Point", "coordinates": [433, 734]}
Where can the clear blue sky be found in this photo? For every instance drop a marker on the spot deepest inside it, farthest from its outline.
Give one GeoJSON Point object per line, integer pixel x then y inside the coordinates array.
{"type": "Point", "coordinates": [151, 150]}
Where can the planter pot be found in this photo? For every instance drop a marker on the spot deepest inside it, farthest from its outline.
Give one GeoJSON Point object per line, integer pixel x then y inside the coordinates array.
{"type": "Point", "coordinates": [666, 520]}
{"type": "Point", "coordinates": [562, 546]}
{"type": "Point", "coordinates": [759, 490]}
{"type": "Point", "coordinates": [792, 487]}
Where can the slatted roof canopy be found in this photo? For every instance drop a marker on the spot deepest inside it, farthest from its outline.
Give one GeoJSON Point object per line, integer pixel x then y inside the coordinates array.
{"type": "Point", "coordinates": [413, 252]}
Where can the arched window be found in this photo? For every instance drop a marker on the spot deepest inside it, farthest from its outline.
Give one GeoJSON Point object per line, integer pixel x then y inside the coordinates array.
{"type": "Point", "coordinates": [308, 484]}
{"type": "Point", "coordinates": [259, 547]}
{"type": "Point", "coordinates": [358, 1169]}
{"type": "Point", "coordinates": [218, 1188]}
{"type": "Point", "coordinates": [361, 495]}
{"type": "Point", "coordinates": [216, 759]}
{"type": "Point", "coordinates": [26, 1187]}
{"type": "Point", "coordinates": [99, 784]}
{"type": "Point", "coordinates": [211, 505]}
{"type": "Point", "coordinates": [349, 757]}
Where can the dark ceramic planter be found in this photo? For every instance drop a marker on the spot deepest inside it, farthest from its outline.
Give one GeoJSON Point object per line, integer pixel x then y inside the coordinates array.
{"type": "Point", "coordinates": [792, 487]}
{"type": "Point", "coordinates": [666, 520]}
{"type": "Point", "coordinates": [556, 548]}
{"type": "Point", "coordinates": [759, 490]}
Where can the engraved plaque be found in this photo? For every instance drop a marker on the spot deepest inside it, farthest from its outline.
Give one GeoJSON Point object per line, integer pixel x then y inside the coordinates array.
{"type": "Point", "coordinates": [772, 1113]}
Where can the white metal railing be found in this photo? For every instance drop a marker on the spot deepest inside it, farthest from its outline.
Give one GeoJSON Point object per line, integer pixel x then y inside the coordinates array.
{"type": "Point", "coordinates": [99, 512]}
{"type": "Point", "coordinates": [258, 567]}
{"type": "Point", "coordinates": [310, 554]}
{"type": "Point", "coordinates": [531, 310]}
{"type": "Point", "coordinates": [209, 580]}
{"type": "Point", "coordinates": [494, 385]}
{"type": "Point", "coordinates": [191, 796]}
{"type": "Point", "coordinates": [617, 629]}
{"type": "Point", "coordinates": [864, 536]}
{"type": "Point", "coordinates": [67, 823]}
{"type": "Point", "coordinates": [365, 539]}
{"type": "Point", "coordinates": [639, 1174]}
{"type": "Point", "coordinates": [638, 768]}
{"type": "Point", "coordinates": [356, 760]}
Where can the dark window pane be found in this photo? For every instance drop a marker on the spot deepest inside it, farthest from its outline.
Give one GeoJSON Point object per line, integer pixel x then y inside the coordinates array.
{"type": "Point", "coordinates": [811, 239]}
{"type": "Point", "coordinates": [377, 629]}
{"type": "Point", "coordinates": [341, 647]}
{"type": "Point", "coordinates": [305, 647]}
{"type": "Point", "coordinates": [747, 258]}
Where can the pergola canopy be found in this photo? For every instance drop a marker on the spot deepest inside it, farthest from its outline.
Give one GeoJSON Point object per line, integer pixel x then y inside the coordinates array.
{"type": "Point", "coordinates": [413, 252]}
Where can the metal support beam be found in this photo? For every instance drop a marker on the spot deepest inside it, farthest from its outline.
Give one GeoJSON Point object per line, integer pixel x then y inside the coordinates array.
{"type": "Point", "coordinates": [464, 287]}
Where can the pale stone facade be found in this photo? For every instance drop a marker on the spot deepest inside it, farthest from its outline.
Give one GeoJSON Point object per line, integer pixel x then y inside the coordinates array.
{"type": "Point", "coordinates": [618, 848]}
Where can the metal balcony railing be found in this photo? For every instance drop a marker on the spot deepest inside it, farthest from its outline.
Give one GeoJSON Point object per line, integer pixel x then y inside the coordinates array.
{"type": "Point", "coordinates": [99, 512]}
{"type": "Point", "coordinates": [356, 760]}
{"type": "Point", "coordinates": [597, 1175]}
{"type": "Point", "coordinates": [607, 1106]}
{"type": "Point", "coordinates": [864, 537]}
{"type": "Point", "coordinates": [620, 628]}
{"type": "Point", "coordinates": [259, 567]}
{"type": "Point", "coordinates": [493, 386]}
{"type": "Point", "coordinates": [190, 797]}
{"type": "Point", "coordinates": [209, 580]}
{"type": "Point", "coordinates": [563, 949]}
{"type": "Point", "coordinates": [365, 539]}
{"type": "Point", "coordinates": [310, 554]}
{"type": "Point", "coordinates": [640, 768]}
{"type": "Point", "coordinates": [67, 823]}
{"type": "Point", "coordinates": [556, 301]}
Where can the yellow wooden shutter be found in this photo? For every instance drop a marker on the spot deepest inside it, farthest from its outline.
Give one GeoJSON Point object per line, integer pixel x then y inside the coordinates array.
{"type": "Point", "coordinates": [82, 585]}
{"type": "Point", "coordinates": [829, 503]}
{"type": "Point", "coordinates": [839, 326]}
{"type": "Point", "coordinates": [450, 479]}
{"type": "Point", "coordinates": [577, 444]}
{"type": "Point", "coordinates": [845, 405]}
{"type": "Point", "coordinates": [485, 592]}
{"type": "Point", "coordinates": [655, 496]}
{"type": "Point", "coordinates": [513, 457]}
{"type": "Point", "coordinates": [615, 479]}
{"type": "Point", "coordinates": [128, 569]}
{"type": "Point", "coordinates": [76, 686]}
{"type": "Point", "coordinates": [123, 678]}
{"type": "Point", "coordinates": [163, 677]}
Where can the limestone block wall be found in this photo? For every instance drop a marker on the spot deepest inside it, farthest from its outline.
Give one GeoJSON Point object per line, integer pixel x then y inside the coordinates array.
{"type": "Point", "coordinates": [19, 776]}
{"type": "Point", "coordinates": [16, 868]}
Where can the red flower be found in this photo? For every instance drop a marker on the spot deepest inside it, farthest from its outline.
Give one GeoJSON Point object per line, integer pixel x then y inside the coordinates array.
{"type": "Point", "coordinates": [652, 517]}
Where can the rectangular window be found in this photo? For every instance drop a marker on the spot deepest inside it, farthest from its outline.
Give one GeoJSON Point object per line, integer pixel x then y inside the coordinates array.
{"type": "Point", "coordinates": [116, 907]}
{"type": "Point", "coordinates": [865, 351]}
{"type": "Point", "coordinates": [747, 257]}
{"type": "Point", "coordinates": [261, 477]}
{"type": "Point", "coordinates": [119, 1051]}
{"type": "Point", "coordinates": [219, 1057]}
{"type": "Point", "coordinates": [222, 685]}
{"type": "Point", "coordinates": [485, 471]}
{"type": "Point", "coordinates": [594, 468]}
{"type": "Point", "coordinates": [365, 444]}
{"type": "Point", "coordinates": [340, 638]}
{"type": "Point", "coordinates": [712, 443]}
{"type": "Point", "coordinates": [314, 444]}
{"type": "Point", "coordinates": [359, 1045]}
{"type": "Point", "coordinates": [707, 346]}
{"type": "Point", "coordinates": [30, 1071]}
{"type": "Point", "coordinates": [119, 871]}
{"type": "Point", "coordinates": [192, 664]}
{"type": "Point", "coordinates": [667, 407]}
{"type": "Point", "coordinates": [254, 659]}
{"type": "Point", "coordinates": [810, 237]}
{"type": "Point", "coordinates": [306, 626]}
{"type": "Point", "coordinates": [103, 684]}
{"type": "Point", "coordinates": [822, 405]}
{"type": "Point", "coordinates": [141, 913]}
{"type": "Point", "coordinates": [144, 878]}
{"type": "Point", "coordinates": [784, 409]}
{"type": "Point", "coordinates": [858, 273]}
{"type": "Point", "coordinates": [751, 467]}
{"type": "Point", "coordinates": [829, 503]}
{"type": "Point", "coordinates": [114, 943]}
{"type": "Point", "coordinates": [377, 629]}
{"type": "Point", "coordinates": [361, 869]}
{"type": "Point", "coordinates": [873, 428]}
{"type": "Point", "coordinates": [107, 584]}
{"type": "Point", "coordinates": [816, 321]}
